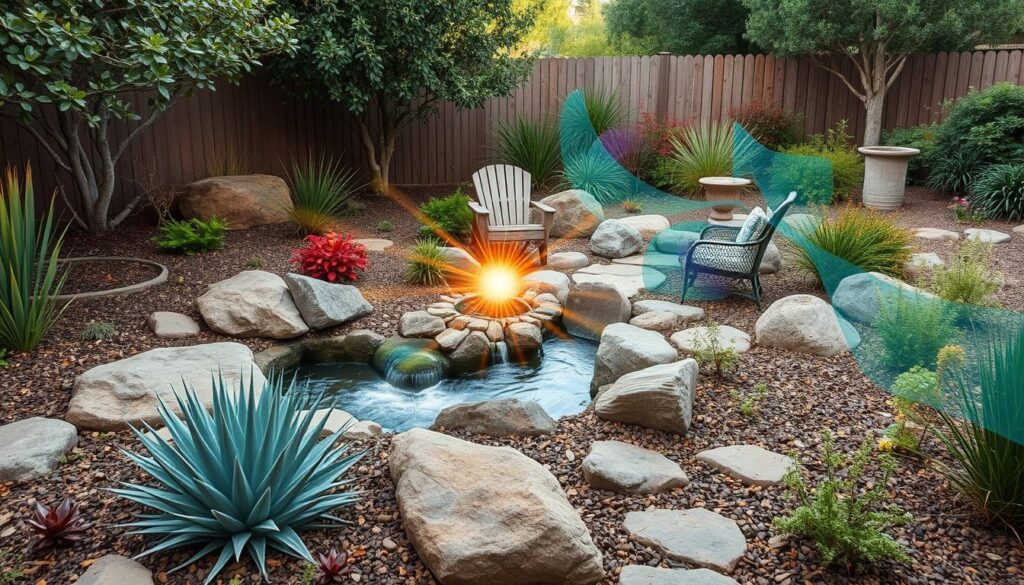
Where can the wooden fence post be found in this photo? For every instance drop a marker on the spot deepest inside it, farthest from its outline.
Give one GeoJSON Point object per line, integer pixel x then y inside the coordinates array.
{"type": "Point", "coordinates": [664, 83]}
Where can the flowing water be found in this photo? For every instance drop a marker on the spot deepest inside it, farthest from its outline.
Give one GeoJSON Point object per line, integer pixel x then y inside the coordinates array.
{"type": "Point", "coordinates": [559, 381]}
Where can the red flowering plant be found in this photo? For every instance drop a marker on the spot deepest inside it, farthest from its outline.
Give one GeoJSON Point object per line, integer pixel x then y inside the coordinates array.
{"type": "Point", "coordinates": [331, 257]}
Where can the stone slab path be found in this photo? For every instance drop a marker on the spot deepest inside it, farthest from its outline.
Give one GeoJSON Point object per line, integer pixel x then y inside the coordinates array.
{"type": "Point", "coordinates": [374, 244]}
{"type": "Point", "coordinates": [751, 464]}
{"type": "Point", "coordinates": [935, 234]}
{"type": "Point", "coordinates": [688, 340]}
{"type": "Point", "coordinates": [628, 278]}
{"type": "Point", "coordinates": [987, 236]}
{"type": "Point", "coordinates": [696, 536]}
{"type": "Point", "coordinates": [624, 468]}
{"type": "Point", "coordinates": [644, 575]}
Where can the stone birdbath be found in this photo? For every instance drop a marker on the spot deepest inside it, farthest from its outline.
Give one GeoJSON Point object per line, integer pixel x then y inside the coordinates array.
{"type": "Point", "coordinates": [885, 175]}
{"type": "Point", "coordinates": [723, 189]}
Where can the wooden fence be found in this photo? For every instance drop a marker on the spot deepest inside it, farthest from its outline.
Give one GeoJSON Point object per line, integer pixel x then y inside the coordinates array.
{"type": "Point", "coordinates": [256, 121]}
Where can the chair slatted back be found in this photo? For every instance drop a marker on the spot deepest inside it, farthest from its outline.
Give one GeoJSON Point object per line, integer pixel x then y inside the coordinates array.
{"type": "Point", "coordinates": [505, 191]}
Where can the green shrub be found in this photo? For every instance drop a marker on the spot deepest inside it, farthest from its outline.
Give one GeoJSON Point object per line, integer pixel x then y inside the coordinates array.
{"type": "Point", "coordinates": [843, 514]}
{"type": "Point", "coordinates": [254, 263]}
{"type": "Point", "coordinates": [97, 330]}
{"type": "Point", "coordinates": [864, 238]}
{"type": "Point", "coordinates": [385, 226]}
{"type": "Point", "coordinates": [998, 191]}
{"type": "Point", "coordinates": [809, 179]}
{"type": "Point", "coordinates": [321, 191]}
{"type": "Point", "coordinates": [912, 329]}
{"type": "Point", "coordinates": [192, 236]}
{"type": "Point", "coordinates": [919, 137]}
{"type": "Point", "coordinates": [448, 217]}
{"type": "Point", "coordinates": [770, 125]}
{"type": "Point", "coordinates": [597, 173]}
{"type": "Point", "coordinates": [983, 128]}
{"type": "Point", "coordinates": [604, 108]}
{"type": "Point", "coordinates": [703, 151]}
{"type": "Point", "coordinates": [917, 385]}
{"type": "Point", "coordinates": [708, 352]}
{"type": "Point", "coordinates": [426, 264]}
{"type": "Point", "coordinates": [530, 145]}
{"type": "Point", "coordinates": [249, 475]}
{"type": "Point", "coordinates": [969, 278]}
{"type": "Point", "coordinates": [29, 252]}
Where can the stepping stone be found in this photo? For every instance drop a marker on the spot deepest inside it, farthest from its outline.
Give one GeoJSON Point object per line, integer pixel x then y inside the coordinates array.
{"type": "Point", "coordinates": [169, 325]}
{"type": "Point", "coordinates": [647, 225]}
{"type": "Point", "coordinates": [936, 234]}
{"type": "Point", "coordinates": [628, 469]}
{"type": "Point", "coordinates": [567, 260]}
{"type": "Point", "coordinates": [629, 279]}
{"type": "Point", "coordinates": [987, 236]}
{"type": "Point", "coordinates": [685, 311]}
{"type": "Point", "coordinates": [696, 536]}
{"type": "Point", "coordinates": [1019, 229]}
{"type": "Point", "coordinates": [736, 221]}
{"type": "Point", "coordinates": [32, 447]}
{"type": "Point", "coordinates": [750, 464]}
{"type": "Point", "coordinates": [374, 244]}
{"type": "Point", "coordinates": [116, 570]}
{"type": "Point", "coordinates": [659, 321]}
{"type": "Point", "coordinates": [653, 259]}
{"type": "Point", "coordinates": [922, 262]}
{"type": "Point", "coordinates": [687, 340]}
{"type": "Point", "coordinates": [644, 575]}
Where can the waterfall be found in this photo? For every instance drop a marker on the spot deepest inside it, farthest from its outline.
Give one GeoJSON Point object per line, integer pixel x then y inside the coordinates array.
{"type": "Point", "coordinates": [499, 352]}
{"type": "Point", "coordinates": [409, 364]}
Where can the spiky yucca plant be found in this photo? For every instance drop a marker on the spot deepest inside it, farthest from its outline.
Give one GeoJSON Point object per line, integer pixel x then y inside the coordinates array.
{"type": "Point", "coordinates": [251, 474]}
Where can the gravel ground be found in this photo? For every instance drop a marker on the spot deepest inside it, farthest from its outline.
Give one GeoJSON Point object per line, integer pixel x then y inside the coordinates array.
{"type": "Point", "coordinates": [946, 543]}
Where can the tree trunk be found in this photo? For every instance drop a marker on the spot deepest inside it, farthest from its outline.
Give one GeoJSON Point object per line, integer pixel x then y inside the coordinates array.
{"type": "Point", "coordinates": [378, 152]}
{"type": "Point", "coordinates": [873, 118]}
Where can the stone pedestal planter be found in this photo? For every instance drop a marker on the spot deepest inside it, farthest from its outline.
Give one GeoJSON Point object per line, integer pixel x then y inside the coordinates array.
{"type": "Point", "coordinates": [723, 189]}
{"type": "Point", "coordinates": [885, 175]}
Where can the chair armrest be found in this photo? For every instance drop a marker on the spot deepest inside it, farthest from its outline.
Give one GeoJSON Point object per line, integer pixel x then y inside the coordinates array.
{"type": "Point", "coordinates": [542, 207]}
{"type": "Point", "coordinates": [478, 209]}
{"type": "Point", "coordinates": [547, 218]}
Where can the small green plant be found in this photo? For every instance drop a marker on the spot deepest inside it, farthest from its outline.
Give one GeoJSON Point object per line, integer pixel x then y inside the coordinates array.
{"type": "Point", "coordinates": [385, 226]}
{"type": "Point", "coordinates": [912, 391]}
{"type": "Point", "coordinates": [708, 351]}
{"type": "Point", "coordinates": [969, 278]}
{"type": "Point", "coordinates": [321, 190]}
{"type": "Point", "coordinates": [844, 518]}
{"type": "Point", "coordinates": [193, 236]}
{"type": "Point", "coordinates": [749, 403]}
{"type": "Point", "coordinates": [426, 264]}
{"type": "Point", "coordinates": [632, 206]}
{"type": "Point", "coordinates": [3, 356]}
{"type": "Point", "coordinates": [869, 240]}
{"type": "Point", "coordinates": [254, 263]}
{"type": "Point", "coordinates": [236, 580]}
{"type": "Point", "coordinates": [530, 145]}
{"type": "Point", "coordinates": [912, 329]}
{"type": "Point", "coordinates": [97, 330]}
{"type": "Point", "coordinates": [604, 108]}
{"type": "Point", "coordinates": [998, 192]}
{"type": "Point", "coordinates": [308, 574]}
{"type": "Point", "coordinates": [447, 217]}
{"type": "Point", "coordinates": [806, 177]}
{"type": "Point", "coordinates": [10, 571]}
{"type": "Point", "coordinates": [599, 174]}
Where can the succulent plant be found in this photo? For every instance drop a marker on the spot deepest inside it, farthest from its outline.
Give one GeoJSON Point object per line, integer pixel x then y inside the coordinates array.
{"type": "Point", "coordinates": [55, 526]}
{"type": "Point", "coordinates": [332, 567]}
{"type": "Point", "coordinates": [251, 474]}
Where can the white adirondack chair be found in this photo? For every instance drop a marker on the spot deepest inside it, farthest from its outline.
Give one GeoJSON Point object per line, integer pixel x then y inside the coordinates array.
{"type": "Point", "coordinates": [504, 212]}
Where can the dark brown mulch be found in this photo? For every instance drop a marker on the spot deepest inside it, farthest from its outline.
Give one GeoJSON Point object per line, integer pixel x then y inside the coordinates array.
{"type": "Point", "coordinates": [946, 542]}
{"type": "Point", "coordinates": [101, 275]}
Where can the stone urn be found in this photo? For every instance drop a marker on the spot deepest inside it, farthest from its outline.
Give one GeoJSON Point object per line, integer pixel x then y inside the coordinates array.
{"type": "Point", "coordinates": [723, 189]}
{"type": "Point", "coordinates": [885, 175]}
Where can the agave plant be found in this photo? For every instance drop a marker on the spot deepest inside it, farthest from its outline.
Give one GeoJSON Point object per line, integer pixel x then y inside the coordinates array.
{"type": "Point", "coordinates": [251, 474]}
{"type": "Point", "coordinates": [55, 526]}
{"type": "Point", "coordinates": [597, 173]}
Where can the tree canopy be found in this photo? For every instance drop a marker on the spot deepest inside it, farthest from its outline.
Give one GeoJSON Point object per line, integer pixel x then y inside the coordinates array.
{"type": "Point", "coordinates": [682, 27]}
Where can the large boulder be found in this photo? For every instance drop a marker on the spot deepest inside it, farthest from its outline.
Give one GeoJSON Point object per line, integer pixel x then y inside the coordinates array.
{"type": "Point", "coordinates": [523, 339]}
{"type": "Point", "coordinates": [244, 201]}
{"type": "Point", "coordinates": [616, 239]}
{"type": "Point", "coordinates": [648, 225]}
{"type": "Point", "coordinates": [501, 417]}
{"type": "Point", "coordinates": [32, 447]}
{"type": "Point", "coordinates": [771, 262]}
{"type": "Point", "coordinates": [126, 392]}
{"type": "Point", "coordinates": [860, 297]}
{"type": "Point", "coordinates": [626, 348]}
{"type": "Point", "coordinates": [325, 304]}
{"type": "Point", "coordinates": [548, 281]}
{"type": "Point", "coordinates": [621, 467]}
{"type": "Point", "coordinates": [658, 397]}
{"type": "Point", "coordinates": [479, 515]}
{"type": "Point", "coordinates": [592, 306]}
{"type": "Point", "coordinates": [116, 570]}
{"type": "Point", "coordinates": [459, 261]}
{"type": "Point", "coordinates": [801, 323]}
{"type": "Point", "coordinates": [577, 213]}
{"type": "Point", "coordinates": [252, 303]}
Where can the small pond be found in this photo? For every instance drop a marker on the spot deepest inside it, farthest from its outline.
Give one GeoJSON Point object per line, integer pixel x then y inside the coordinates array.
{"type": "Point", "coordinates": [559, 380]}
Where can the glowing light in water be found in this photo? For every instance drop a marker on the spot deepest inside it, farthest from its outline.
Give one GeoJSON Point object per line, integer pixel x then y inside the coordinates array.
{"type": "Point", "coordinates": [498, 282]}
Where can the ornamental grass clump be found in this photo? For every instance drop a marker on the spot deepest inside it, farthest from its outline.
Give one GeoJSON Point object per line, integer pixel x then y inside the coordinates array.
{"type": "Point", "coordinates": [969, 278]}
{"type": "Point", "coordinates": [426, 264]}
{"type": "Point", "coordinates": [700, 151]}
{"type": "Point", "coordinates": [530, 145]}
{"type": "Point", "coordinates": [321, 190]}
{"type": "Point", "coordinates": [862, 237]}
{"type": "Point", "coordinates": [248, 475]}
{"type": "Point", "coordinates": [843, 515]}
{"type": "Point", "coordinates": [998, 192]}
{"type": "Point", "coordinates": [599, 174]}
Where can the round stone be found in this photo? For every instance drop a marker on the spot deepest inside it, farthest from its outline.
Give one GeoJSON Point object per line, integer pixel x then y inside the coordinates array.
{"type": "Point", "coordinates": [690, 340]}
{"type": "Point", "coordinates": [32, 447]}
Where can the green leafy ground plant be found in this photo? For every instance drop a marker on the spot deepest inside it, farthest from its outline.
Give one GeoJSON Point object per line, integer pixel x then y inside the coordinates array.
{"type": "Point", "coordinates": [192, 236]}
{"type": "Point", "coordinates": [447, 217]}
{"type": "Point", "coordinates": [912, 329]}
{"type": "Point", "coordinates": [969, 278]}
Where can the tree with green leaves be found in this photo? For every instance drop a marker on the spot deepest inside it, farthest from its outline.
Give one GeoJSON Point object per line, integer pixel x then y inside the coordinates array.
{"type": "Point", "coordinates": [390, 62]}
{"type": "Point", "coordinates": [877, 36]}
{"type": "Point", "coordinates": [70, 69]}
{"type": "Point", "coordinates": [681, 27]}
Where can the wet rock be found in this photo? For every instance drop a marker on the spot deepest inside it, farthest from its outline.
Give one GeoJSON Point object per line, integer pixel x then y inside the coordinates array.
{"type": "Point", "coordinates": [501, 417]}
{"type": "Point", "coordinates": [473, 354]}
{"type": "Point", "coordinates": [593, 306]}
{"type": "Point", "coordinates": [523, 339]}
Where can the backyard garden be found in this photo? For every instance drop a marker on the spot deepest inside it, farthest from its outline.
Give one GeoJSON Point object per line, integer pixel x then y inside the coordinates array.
{"type": "Point", "coordinates": [639, 340]}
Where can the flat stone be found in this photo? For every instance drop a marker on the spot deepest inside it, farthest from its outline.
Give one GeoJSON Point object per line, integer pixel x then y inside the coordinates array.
{"type": "Point", "coordinates": [567, 260]}
{"type": "Point", "coordinates": [803, 323]}
{"type": "Point", "coordinates": [116, 570]}
{"type": "Point", "coordinates": [1019, 229]}
{"type": "Point", "coordinates": [126, 392]}
{"type": "Point", "coordinates": [657, 397]}
{"type": "Point", "coordinates": [922, 262]}
{"type": "Point", "coordinates": [32, 447]}
{"type": "Point", "coordinates": [548, 281]}
{"type": "Point", "coordinates": [374, 244]}
{"type": "Point", "coordinates": [625, 468]}
{"type": "Point", "coordinates": [337, 419]}
{"type": "Point", "coordinates": [170, 325]}
{"type": "Point", "coordinates": [486, 515]}
{"type": "Point", "coordinates": [644, 575]}
{"type": "Point", "coordinates": [253, 303]}
{"type": "Point", "coordinates": [687, 340]}
{"type": "Point", "coordinates": [696, 536]}
{"type": "Point", "coordinates": [616, 239]}
{"type": "Point", "coordinates": [363, 430]}
{"type": "Point", "coordinates": [935, 234]}
{"type": "Point", "coordinates": [648, 225]}
{"type": "Point", "coordinates": [592, 306]}
{"type": "Point", "coordinates": [625, 348]}
{"type": "Point", "coordinates": [442, 313]}
{"type": "Point", "coordinates": [987, 236]}
{"type": "Point", "coordinates": [751, 464]}
{"type": "Point", "coordinates": [450, 338]}
{"type": "Point", "coordinates": [420, 324]}
{"type": "Point", "coordinates": [736, 221]}
{"type": "Point", "coordinates": [654, 259]}
{"type": "Point", "coordinates": [687, 312]}
{"type": "Point", "coordinates": [629, 279]}
{"type": "Point", "coordinates": [326, 304]}
{"type": "Point", "coordinates": [659, 321]}
{"type": "Point", "coordinates": [498, 418]}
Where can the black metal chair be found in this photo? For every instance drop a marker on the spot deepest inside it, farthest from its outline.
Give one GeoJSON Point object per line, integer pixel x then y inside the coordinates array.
{"type": "Point", "coordinates": [716, 252]}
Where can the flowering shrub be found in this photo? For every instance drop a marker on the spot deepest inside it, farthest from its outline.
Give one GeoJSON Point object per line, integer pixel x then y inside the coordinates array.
{"type": "Point", "coordinates": [772, 126]}
{"type": "Point", "coordinates": [331, 257]}
{"type": "Point", "coordinates": [658, 134]}
{"type": "Point", "coordinates": [963, 211]}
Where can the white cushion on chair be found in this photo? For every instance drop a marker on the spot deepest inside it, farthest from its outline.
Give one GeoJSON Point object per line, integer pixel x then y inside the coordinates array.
{"type": "Point", "coordinates": [752, 227]}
